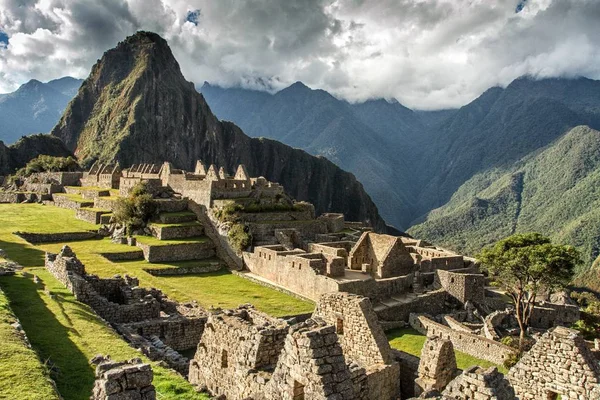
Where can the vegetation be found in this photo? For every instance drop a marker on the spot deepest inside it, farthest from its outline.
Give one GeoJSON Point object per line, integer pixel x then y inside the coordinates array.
{"type": "Point", "coordinates": [589, 324]}
{"type": "Point", "coordinates": [239, 236]}
{"type": "Point", "coordinates": [134, 211]}
{"type": "Point", "coordinates": [410, 341]}
{"type": "Point", "coordinates": [22, 374]}
{"type": "Point", "coordinates": [553, 191]}
{"type": "Point", "coordinates": [528, 264]}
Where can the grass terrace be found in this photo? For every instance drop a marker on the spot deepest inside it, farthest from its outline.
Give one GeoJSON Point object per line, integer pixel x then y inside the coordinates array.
{"type": "Point", "coordinates": [152, 241]}
{"type": "Point", "coordinates": [410, 341]}
{"type": "Point", "coordinates": [22, 374]}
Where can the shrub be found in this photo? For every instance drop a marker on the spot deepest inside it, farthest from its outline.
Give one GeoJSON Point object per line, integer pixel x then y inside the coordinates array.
{"type": "Point", "coordinates": [135, 211]}
{"type": "Point", "coordinates": [239, 236]}
{"type": "Point", "coordinates": [511, 360]}
{"type": "Point", "coordinates": [229, 212]}
{"type": "Point", "coordinates": [43, 163]}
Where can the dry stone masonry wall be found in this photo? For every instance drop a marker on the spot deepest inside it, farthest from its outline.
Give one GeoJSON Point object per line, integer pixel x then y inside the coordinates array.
{"type": "Point", "coordinates": [129, 380]}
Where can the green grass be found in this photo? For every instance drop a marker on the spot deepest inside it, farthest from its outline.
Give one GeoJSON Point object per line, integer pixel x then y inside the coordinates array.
{"type": "Point", "coordinates": [410, 341]}
{"type": "Point", "coordinates": [22, 374]}
{"type": "Point", "coordinates": [178, 213]}
{"type": "Point", "coordinates": [66, 334]}
{"type": "Point", "coordinates": [74, 197]}
{"type": "Point", "coordinates": [152, 241]}
{"type": "Point", "coordinates": [179, 224]}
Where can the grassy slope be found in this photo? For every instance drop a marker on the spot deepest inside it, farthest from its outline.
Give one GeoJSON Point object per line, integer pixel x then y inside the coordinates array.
{"type": "Point", "coordinates": [557, 196]}
{"type": "Point", "coordinates": [20, 367]}
{"type": "Point", "coordinates": [410, 341]}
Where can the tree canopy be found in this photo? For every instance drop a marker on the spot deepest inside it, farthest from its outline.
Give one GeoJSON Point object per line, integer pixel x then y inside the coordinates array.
{"type": "Point", "coordinates": [526, 265]}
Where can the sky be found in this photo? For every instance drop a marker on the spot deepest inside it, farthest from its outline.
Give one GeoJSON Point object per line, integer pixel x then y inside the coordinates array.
{"type": "Point", "coordinates": [427, 54]}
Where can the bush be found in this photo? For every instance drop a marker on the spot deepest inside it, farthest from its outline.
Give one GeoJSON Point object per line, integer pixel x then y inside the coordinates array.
{"type": "Point", "coordinates": [134, 211]}
{"type": "Point", "coordinates": [511, 360]}
{"type": "Point", "coordinates": [43, 163]}
{"type": "Point", "coordinates": [239, 236]}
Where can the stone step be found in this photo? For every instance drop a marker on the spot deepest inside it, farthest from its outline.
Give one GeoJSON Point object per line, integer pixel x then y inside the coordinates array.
{"type": "Point", "coordinates": [92, 215]}
{"type": "Point", "coordinates": [157, 251]}
{"type": "Point", "coordinates": [183, 230]}
{"type": "Point", "coordinates": [176, 217]}
{"type": "Point", "coordinates": [172, 205]}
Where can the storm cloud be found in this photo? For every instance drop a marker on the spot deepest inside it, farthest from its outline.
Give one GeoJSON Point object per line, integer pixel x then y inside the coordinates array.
{"type": "Point", "coordinates": [427, 54]}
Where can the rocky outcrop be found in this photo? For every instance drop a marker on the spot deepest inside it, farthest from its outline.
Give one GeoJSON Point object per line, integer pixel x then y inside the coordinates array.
{"type": "Point", "coordinates": [136, 107]}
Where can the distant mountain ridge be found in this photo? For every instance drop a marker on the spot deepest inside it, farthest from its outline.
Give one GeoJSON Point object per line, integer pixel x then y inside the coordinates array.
{"type": "Point", "coordinates": [34, 107]}
{"type": "Point", "coordinates": [136, 107]}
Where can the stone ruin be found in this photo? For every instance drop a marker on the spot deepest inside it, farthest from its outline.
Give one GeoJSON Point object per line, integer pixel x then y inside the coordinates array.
{"type": "Point", "coordinates": [560, 363]}
{"type": "Point", "coordinates": [127, 380]}
{"type": "Point", "coordinates": [146, 318]}
{"type": "Point", "coordinates": [339, 353]}
{"type": "Point", "coordinates": [437, 366]}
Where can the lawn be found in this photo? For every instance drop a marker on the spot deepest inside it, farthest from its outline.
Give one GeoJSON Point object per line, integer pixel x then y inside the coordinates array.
{"type": "Point", "coordinates": [410, 341]}
{"type": "Point", "coordinates": [19, 366]}
{"type": "Point", "coordinates": [152, 241]}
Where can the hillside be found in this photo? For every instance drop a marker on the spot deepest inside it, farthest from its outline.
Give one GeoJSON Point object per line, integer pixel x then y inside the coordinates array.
{"type": "Point", "coordinates": [34, 107]}
{"type": "Point", "coordinates": [553, 192]}
{"type": "Point", "coordinates": [27, 148]}
{"type": "Point", "coordinates": [136, 107]}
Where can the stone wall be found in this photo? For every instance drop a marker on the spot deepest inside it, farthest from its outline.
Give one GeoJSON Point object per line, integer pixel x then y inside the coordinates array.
{"type": "Point", "coordinates": [65, 202]}
{"type": "Point", "coordinates": [480, 384]}
{"type": "Point", "coordinates": [124, 256]}
{"type": "Point", "coordinates": [560, 363]}
{"type": "Point", "coordinates": [409, 366]}
{"type": "Point", "coordinates": [432, 303]}
{"type": "Point", "coordinates": [300, 275]}
{"type": "Point", "coordinates": [178, 252]}
{"type": "Point", "coordinates": [359, 333]}
{"type": "Point", "coordinates": [469, 343]}
{"type": "Point", "coordinates": [91, 215]}
{"type": "Point", "coordinates": [187, 270]}
{"type": "Point", "coordinates": [179, 333]}
{"type": "Point", "coordinates": [128, 380]}
{"type": "Point", "coordinates": [546, 315]}
{"type": "Point", "coordinates": [163, 232]}
{"type": "Point", "coordinates": [437, 366]}
{"type": "Point", "coordinates": [61, 237]}
{"type": "Point", "coordinates": [235, 345]}
{"type": "Point", "coordinates": [462, 285]}
{"type": "Point", "coordinates": [105, 203]}
{"type": "Point", "coordinates": [71, 273]}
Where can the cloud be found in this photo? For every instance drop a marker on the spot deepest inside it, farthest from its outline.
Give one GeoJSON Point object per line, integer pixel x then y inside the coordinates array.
{"type": "Point", "coordinates": [426, 53]}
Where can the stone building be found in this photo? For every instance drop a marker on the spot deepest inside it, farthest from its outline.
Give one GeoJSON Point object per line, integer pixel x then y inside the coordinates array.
{"type": "Point", "coordinates": [479, 384]}
{"type": "Point", "coordinates": [105, 176]}
{"type": "Point", "coordinates": [340, 353]}
{"type": "Point", "coordinates": [128, 380]}
{"type": "Point", "coordinates": [559, 364]}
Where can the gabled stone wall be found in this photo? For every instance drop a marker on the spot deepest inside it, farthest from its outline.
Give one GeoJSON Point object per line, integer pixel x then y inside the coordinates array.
{"type": "Point", "coordinates": [560, 363]}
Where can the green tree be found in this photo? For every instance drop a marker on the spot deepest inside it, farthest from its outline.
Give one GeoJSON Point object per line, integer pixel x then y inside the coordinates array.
{"type": "Point", "coordinates": [526, 265]}
{"type": "Point", "coordinates": [135, 211]}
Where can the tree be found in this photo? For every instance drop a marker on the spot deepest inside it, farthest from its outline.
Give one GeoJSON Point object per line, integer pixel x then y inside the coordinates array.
{"type": "Point", "coordinates": [134, 211]}
{"type": "Point", "coordinates": [526, 265]}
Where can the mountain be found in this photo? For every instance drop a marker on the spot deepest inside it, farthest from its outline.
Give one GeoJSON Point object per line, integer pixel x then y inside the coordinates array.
{"type": "Point", "coordinates": [499, 128]}
{"type": "Point", "coordinates": [355, 137]}
{"type": "Point", "coordinates": [27, 148]}
{"type": "Point", "coordinates": [34, 107]}
{"type": "Point", "coordinates": [554, 191]}
{"type": "Point", "coordinates": [136, 107]}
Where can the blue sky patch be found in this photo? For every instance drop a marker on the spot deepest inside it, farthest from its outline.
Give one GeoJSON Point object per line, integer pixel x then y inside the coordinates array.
{"type": "Point", "coordinates": [520, 6]}
{"type": "Point", "coordinates": [193, 17]}
{"type": "Point", "coordinates": [3, 38]}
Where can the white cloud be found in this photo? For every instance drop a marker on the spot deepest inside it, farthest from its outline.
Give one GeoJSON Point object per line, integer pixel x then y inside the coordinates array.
{"type": "Point", "coordinates": [426, 53]}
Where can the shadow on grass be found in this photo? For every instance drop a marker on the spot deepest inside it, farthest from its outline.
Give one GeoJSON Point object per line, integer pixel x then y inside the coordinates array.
{"type": "Point", "coordinates": [23, 254]}
{"type": "Point", "coordinates": [70, 369]}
